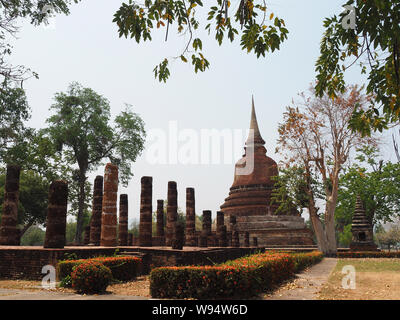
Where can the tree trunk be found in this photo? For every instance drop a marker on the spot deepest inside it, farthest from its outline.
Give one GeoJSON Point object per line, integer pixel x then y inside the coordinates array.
{"type": "Point", "coordinates": [81, 207]}
{"type": "Point", "coordinates": [330, 225]}
{"type": "Point", "coordinates": [318, 229]}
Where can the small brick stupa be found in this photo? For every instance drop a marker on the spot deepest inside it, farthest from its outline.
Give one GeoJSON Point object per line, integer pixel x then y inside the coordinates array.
{"type": "Point", "coordinates": [361, 229]}
{"type": "Point", "coordinates": [250, 194]}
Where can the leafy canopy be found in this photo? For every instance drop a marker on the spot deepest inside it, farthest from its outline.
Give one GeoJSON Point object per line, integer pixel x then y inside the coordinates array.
{"type": "Point", "coordinates": [259, 31]}
{"type": "Point", "coordinates": [374, 44]}
{"type": "Point", "coordinates": [377, 183]}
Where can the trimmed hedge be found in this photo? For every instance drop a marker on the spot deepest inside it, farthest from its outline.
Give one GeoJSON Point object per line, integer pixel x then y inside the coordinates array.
{"type": "Point", "coordinates": [240, 278]}
{"type": "Point", "coordinates": [91, 277]}
{"type": "Point", "coordinates": [369, 254]}
{"type": "Point", "coordinates": [122, 268]}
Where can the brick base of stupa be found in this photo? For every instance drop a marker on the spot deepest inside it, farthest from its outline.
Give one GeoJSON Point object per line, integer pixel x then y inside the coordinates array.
{"type": "Point", "coordinates": [274, 230]}
{"type": "Point", "coordinates": [363, 246]}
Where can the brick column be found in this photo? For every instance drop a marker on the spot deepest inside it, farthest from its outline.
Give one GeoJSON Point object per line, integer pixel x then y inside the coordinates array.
{"type": "Point", "coordinates": [203, 239]}
{"type": "Point", "coordinates": [222, 240]}
{"type": "Point", "coordinates": [255, 242]}
{"type": "Point", "coordinates": [172, 211]}
{"type": "Point", "coordinates": [246, 239]}
{"type": "Point", "coordinates": [86, 238]}
{"type": "Point", "coordinates": [56, 215]}
{"type": "Point", "coordinates": [178, 237]}
{"type": "Point", "coordinates": [109, 207]}
{"type": "Point", "coordinates": [123, 220]}
{"type": "Point", "coordinates": [160, 218]}
{"type": "Point", "coordinates": [207, 222]}
{"type": "Point", "coordinates": [146, 212]}
{"type": "Point", "coordinates": [220, 225]}
{"type": "Point", "coordinates": [235, 239]}
{"type": "Point", "coordinates": [9, 233]}
{"type": "Point", "coordinates": [97, 204]}
{"type": "Point", "coordinates": [190, 218]}
{"type": "Point", "coordinates": [229, 238]}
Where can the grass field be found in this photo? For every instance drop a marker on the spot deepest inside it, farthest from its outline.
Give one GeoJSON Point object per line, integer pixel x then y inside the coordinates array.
{"type": "Point", "coordinates": [375, 279]}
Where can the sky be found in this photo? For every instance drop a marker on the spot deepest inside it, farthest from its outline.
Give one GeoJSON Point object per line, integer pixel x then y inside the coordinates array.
{"type": "Point", "coordinates": [85, 47]}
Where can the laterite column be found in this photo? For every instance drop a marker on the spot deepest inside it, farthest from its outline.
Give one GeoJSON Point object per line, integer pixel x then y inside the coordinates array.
{"type": "Point", "coordinates": [56, 215]}
{"type": "Point", "coordinates": [146, 212]}
{"type": "Point", "coordinates": [9, 233]}
{"type": "Point", "coordinates": [97, 205]}
{"type": "Point", "coordinates": [172, 211]}
{"type": "Point", "coordinates": [109, 207]}
{"type": "Point", "coordinates": [190, 218]}
{"type": "Point", "coordinates": [123, 220]}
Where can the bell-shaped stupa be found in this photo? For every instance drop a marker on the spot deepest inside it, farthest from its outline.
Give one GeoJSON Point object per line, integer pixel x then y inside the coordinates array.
{"type": "Point", "coordinates": [250, 198]}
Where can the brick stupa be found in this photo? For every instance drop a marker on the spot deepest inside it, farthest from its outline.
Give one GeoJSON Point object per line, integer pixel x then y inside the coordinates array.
{"type": "Point", "coordinates": [250, 195]}
{"type": "Point", "coordinates": [361, 229]}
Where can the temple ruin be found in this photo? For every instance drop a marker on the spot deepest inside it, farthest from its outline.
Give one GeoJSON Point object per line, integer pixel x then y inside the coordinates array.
{"type": "Point", "coordinates": [249, 199]}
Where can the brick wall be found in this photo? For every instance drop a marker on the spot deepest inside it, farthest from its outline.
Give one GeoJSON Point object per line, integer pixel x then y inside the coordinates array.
{"type": "Point", "coordinates": [27, 262]}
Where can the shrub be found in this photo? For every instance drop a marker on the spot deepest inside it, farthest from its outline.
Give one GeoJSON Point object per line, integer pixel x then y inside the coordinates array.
{"type": "Point", "coordinates": [122, 268]}
{"type": "Point", "coordinates": [240, 278]}
{"type": "Point", "coordinates": [91, 277]}
{"type": "Point", "coordinates": [368, 254]}
{"type": "Point", "coordinates": [305, 260]}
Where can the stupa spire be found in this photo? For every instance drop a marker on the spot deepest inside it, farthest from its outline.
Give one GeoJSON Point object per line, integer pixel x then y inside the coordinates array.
{"type": "Point", "coordinates": [254, 134]}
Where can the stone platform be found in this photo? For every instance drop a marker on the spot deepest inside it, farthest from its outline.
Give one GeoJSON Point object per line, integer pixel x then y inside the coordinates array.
{"type": "Point", "coordinates": [17, 262]}
{"type": "Point", "coordinates": [281, 230]}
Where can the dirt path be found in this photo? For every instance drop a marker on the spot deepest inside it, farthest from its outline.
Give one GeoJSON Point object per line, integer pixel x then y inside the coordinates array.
{"type": "Point", "coordinates": [13, 294]}
{"type": "Point", "coordinates": [307, 285]}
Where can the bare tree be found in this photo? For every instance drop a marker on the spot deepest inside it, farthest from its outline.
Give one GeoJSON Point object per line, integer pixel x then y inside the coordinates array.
{"type": "Point", "coordinates": [316, 136]}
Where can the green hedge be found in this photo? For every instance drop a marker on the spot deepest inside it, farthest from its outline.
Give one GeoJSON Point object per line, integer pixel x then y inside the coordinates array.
{"type": "Point", "coordinates": [240, 278]}
{"type": "Point", "coordinates": [122, 268]}
{"type": "Point", "coordinates": [369, 254]}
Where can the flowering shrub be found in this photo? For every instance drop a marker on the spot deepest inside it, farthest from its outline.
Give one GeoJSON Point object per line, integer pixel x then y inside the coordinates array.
{"type": "Point", "coordinates": [90, 277]}
{"type": "Point", "coordinates": [304, 260]}
{"type": "Point", "coordinates": [243, 277]}
{"type": "Point", "coordinates": [122, 268]}
{"type": "Point", "coordinates": [369, 254]}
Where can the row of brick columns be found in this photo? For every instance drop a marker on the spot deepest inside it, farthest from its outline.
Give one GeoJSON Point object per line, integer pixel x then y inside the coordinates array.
{"type": "Point", "coordinates": [102, 229]}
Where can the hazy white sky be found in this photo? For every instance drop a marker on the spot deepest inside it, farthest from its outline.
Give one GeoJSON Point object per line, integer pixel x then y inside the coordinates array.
{"type": "Point", "coordinates": [85, 47]}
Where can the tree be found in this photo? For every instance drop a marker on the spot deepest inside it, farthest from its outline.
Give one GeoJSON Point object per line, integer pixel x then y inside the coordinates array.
{"type": "Point", "coordinates": [376, 182]}
{"type": "Point", "coordinates": [14, 111]}
{"type": "Point", "coordinates": [34, 236]}
{"type": "Point", "coordinates": [83, 134]}
{"type": "Point", "coordinates": [315, 136]}
{"type": "Point", "coordinates": [289, 195]}
{"type": "Point", "coordinates": [259, 31]}
{"type": "Point", "coordinates": [390, 237]}
{"type": "Point", "coordinates": [10, 14]}
{"type": "Point", "coordinates": [374, 42]}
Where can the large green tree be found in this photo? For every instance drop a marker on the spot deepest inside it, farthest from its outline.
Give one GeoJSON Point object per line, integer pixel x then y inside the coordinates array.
{"type": "Point", "coordinates": [367, 33]}
{"type": "Point", "coordinates": [378, 184]}
{"type": "Point", "coordinates": [84, 135]}
{"type": "Point", "coordinates": [14, 112]}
